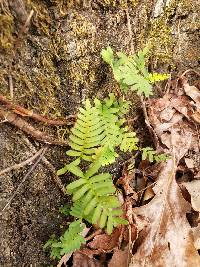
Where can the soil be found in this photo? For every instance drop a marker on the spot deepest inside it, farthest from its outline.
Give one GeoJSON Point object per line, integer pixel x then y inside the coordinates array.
{"type": "Point", "coordinates": [55, 67]}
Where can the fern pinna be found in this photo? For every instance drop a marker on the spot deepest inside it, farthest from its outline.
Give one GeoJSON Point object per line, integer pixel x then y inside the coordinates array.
{"type": "Point", "coordinates": [98, 131]}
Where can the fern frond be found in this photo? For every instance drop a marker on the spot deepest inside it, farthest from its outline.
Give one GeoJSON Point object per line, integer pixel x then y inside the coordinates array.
{"type": "Point", "coordinates": [132, 77]}
{"type": "Point", "coordinates": [149, 154]}
{"type": "Point", "coordinates": [96, 199]}
{"type": "Point", "coordinates": [129, 142]}
{"type": "Point", "coordinates": [131, 72]}
{"type": "Point", "coordinates": [87, 133]}
{"type": "Point", "coordinates": [96, 127]}
{"type": "Point", "coordinates": [68, 242]}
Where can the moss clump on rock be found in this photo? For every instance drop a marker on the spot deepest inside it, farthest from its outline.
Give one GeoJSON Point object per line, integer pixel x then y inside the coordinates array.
{"type": "Point", "coordinates": [6, 35]}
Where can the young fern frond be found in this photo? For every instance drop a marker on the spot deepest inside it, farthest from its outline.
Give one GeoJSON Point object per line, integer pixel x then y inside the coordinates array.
{"type": "Point", "coordinates": [131, 72]}
{"type": "Point", "coordinates": [98, 131]}
{"type": "Point", "coordinates": [98, 126]}
{"type": "Point", "coordinates": [96, 199]}
{"type": "Point", "coordinates": [86, 134]}
{"type": "Point", "coordinates": [149, 154]}
{"type": "Point", "coordinates": [68, 242]}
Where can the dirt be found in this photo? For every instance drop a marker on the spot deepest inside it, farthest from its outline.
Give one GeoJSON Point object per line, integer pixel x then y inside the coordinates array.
{"type": "Point", "coordinates": [57, 66]}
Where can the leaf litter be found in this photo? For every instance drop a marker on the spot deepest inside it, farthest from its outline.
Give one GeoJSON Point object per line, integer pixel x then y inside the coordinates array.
{"type": "Point", "coordinates": [159, 233]}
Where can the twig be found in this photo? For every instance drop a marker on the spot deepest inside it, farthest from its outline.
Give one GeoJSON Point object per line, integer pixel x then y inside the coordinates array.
{"type": "Point", "coordinates": [48, 164]}
{"type": "Point", "coordinates": [154, 136]}
{"type": "Point", "coordinates": [55, 177]}
{"type": "Point", "coordinates": [147, 187]}
{"type": "Point", "coordinates": [10, 82]}
{"type": "Point", "coordinates": [97, 232]}
{"type": "Point", "coordinates": [21, 164]}
{"type": "Point", "coordinates": [23, 30]}
{"type": "Point", "coordinates": [20, 123]}
{"type": "Point", "coordinates": [64, 259]}
{"type": "Point", "coordinates": [151, 130]}
{"type": "Point", "coordinates": [42, 152]}
{"type": "Point", "coordinates": [25, 112]}
{"type": "Point", "coordinates": [130, 32]}
{"type": "Point", "coordinates": [189, 70]}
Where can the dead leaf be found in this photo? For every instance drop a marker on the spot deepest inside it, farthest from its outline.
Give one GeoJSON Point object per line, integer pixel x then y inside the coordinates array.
{"type": "Point", "coordinates": [168, 239]}
{"type": "Point", "coordinates": [81, 260]}
{"type": "Point", "coordinates": [193, 188]}
{"type": "Point", "coordinates": [106, 242]}
{"type": "Point", "coordinates": [196, 233]}
{"type": "Point", "coordinates": [176, 134]}
{"type": "Point", "coordinates": [192, 92]}
{"type": "Point", "coordinates": [189, 163]}
{"type": "Point", "coordinates": [119, 258]}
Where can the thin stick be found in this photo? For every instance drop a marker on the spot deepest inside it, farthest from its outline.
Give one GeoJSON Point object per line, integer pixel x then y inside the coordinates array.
{"type": "Point", "coordinates": [152, 132]}
{"type": "Point", "coordinates": [48, 164]}
{"type": "Point", "coordinates": [189, 70]}
{"type": "Point", "coordinates": [23, 30]}
{"type": "Point", "coordinates": [97, 232]}
{"type": "Point", "coordinates": [10, 82]}
{"type": "Point", "coordinates": [29, 113]}
{"type": "Point", "coordinates": [20, 123]}
{"type": "Point", "coordinates": [21, 164]}
{"type": "Point", "coordinates": [55, 177]}
{"type": "Point", "coordinates": [146, 187]}
{"type": "Point", "coordinates": [42, 152]}
{"type": "Point", "coordinates": [130, 32]}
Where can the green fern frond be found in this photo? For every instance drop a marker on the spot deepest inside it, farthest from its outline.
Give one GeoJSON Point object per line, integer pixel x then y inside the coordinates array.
{"type": "Point", "coordinates": [87, 133]}
{"type": "Point", "coordinates": [96, 127]}
{"type": "Point", "coordinates": [98, 131]}
{"type": "Point", "coordinates": [96, 199]}
{"type": "Point", "coordinates": [129, 142]}
{"type": "Point", "coordinates": [68, 242]}
{"type": "Point", "coordinates": [106, 155]}
{"type": "Point", "coordinates": [131, 72]}
{"type": "Point", "coordinates": [149, 154]}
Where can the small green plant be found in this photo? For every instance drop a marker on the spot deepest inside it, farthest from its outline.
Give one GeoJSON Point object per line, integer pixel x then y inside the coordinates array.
{"type": "Point", "coordinates": [95, 140]}
{"type": "Point", "coordinates": [98, 131]}
{"type": "Point", "coordinates": [69, 241]}
{"type": "Point", "coordinates": [130, 71]}
{"type": "Point", "coordinates": [148, 153]}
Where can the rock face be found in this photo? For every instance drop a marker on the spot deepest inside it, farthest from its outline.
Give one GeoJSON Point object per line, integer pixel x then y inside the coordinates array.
{"type": "Point", "coordinates": [54, 67]}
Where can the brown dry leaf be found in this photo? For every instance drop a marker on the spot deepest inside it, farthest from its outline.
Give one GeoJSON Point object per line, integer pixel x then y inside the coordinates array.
{"type": "Point", "coordinates": [168, 238]}
{"type": "Point", "coordinates": [81, 260]}
{"type": "Point", "coordinates": [119, 258]}
{"type": "Point", "coordinates": [106, 242]}
{"type": "Point", "coordinates": [194, 93]}
{"type": "Point", "coordinates": [189, 163]}
{"type": "Point", "coordinates": [176, 134]}
{"type": "Point", "coordinates": [193, 188]}
{"type": "Point", "coordinates": [196, 233]}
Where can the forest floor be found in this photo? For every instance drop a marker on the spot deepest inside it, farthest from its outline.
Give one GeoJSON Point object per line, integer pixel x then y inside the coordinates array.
{"type": "Point", "coordinates": [50, 63]}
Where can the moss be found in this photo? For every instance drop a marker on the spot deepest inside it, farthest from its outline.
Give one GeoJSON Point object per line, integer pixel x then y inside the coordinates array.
{"type": "Point", "coordinates": [41, 19]}
{"type": "Point", "coordinates": [161, 42]}
{"type": "Point", "coordinates": [160, 31]}
{"type": "Point", "coordinates": [6, 35]}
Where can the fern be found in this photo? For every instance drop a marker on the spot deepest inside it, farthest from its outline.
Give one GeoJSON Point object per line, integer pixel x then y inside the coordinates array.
{"type": "Point", "coordinates": [98, 131]}
{"type": "Point", "coordinates": [68, 242]}
{"type": "Point", "coordinates": [149, 154]}
{"type": "Point", "coordinates": [95, 195]}
{"type": "Point", "coordinates": [100, 125]}
{"type": "Point", "coordinates": [130, 71]}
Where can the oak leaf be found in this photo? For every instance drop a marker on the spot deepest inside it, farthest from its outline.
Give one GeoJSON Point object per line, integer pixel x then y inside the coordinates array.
{"type": "Point", "coordinates": [168, 239]}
